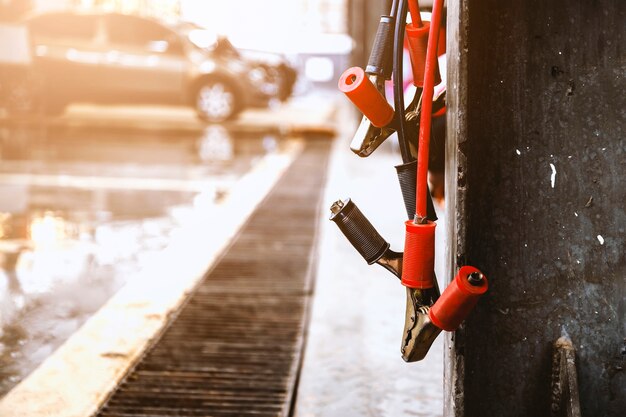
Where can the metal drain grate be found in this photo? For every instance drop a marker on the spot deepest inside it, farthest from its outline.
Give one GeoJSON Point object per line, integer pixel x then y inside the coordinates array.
{"type": "Point", "coordinates": [234, 349]}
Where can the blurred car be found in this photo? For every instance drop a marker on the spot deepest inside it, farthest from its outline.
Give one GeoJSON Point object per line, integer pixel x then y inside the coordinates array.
{"type": "Point", "coordinates": [125, 59]}
{"type": "Point", "coordinates": [277, 66]}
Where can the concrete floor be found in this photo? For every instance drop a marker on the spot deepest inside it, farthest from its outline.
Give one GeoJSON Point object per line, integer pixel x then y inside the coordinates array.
{"type": "Point", "coordinates": [352, 364]}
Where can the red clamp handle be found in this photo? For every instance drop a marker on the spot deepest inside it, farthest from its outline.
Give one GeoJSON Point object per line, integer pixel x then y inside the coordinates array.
{"type": "Point", "coordinates": [418, 263]}
{"type": "Point", "coordinates": [458, 299]}
{"type": "Point", "coordinates": [362, 92]}
{"type": "Point", "coordinates": [418, 43]}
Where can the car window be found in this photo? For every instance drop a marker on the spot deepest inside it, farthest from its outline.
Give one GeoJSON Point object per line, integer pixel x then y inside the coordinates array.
{"type": "Point", "coordinates": [63, 26]}
{"type": "Point", "coordinates": [133, 31]}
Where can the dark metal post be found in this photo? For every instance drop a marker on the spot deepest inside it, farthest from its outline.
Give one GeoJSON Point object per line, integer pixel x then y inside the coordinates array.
{"type": "Point", "coordinates": [536, 196]}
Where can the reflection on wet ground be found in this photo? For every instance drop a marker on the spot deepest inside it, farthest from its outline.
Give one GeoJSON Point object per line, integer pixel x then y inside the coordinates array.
{"type": "Point", "coordinates": [81, 210]}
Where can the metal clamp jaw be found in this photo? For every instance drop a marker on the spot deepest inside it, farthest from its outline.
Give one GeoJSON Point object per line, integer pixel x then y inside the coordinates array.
{"type": "Point", "coordinates": [392, 262]}
{"type": "Point", "coordinates": [419, 331]}
{"type": "Point", "coordinates": [428, 313]}
{"type": "Point", "coordinates": [368, 137]}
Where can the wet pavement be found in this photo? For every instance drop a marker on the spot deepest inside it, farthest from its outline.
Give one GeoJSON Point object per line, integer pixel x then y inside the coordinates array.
{"type": "Point", "coordinates": [83, 209]}
{"type": "Point", "coordinates": [85, 206]}
{"type": "Point", "coordinates": [352, 364]}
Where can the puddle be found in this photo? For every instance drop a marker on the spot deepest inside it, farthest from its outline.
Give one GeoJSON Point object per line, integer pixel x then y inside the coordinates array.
{"type": "Point", "coordinates": [81, 212]}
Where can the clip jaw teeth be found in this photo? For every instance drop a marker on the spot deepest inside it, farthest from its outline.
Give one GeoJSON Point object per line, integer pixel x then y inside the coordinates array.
{"type": "Point", "coordinates": [368, 138]}
{"type": "Point", "coordinates": [419, 331]}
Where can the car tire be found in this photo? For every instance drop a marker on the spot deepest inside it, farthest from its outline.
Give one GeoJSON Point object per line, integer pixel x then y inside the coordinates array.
{"type": "Point", "coordinates": [217, 101]}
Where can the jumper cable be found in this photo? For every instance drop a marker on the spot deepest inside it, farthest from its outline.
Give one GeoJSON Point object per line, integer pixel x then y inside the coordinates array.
{"type": "Point", "coordinates": [427, 313]}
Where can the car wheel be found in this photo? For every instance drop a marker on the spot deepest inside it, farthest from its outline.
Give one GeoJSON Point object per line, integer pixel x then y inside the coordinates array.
{"type": "Point", "coordinates": [216, 101]}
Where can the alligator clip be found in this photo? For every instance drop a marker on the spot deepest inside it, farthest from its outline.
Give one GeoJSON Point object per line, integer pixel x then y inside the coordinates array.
{"type": "Point", "coordinates": [427, 313]}
{"type": "Point", "coordinates": [419, 331]}
{"type": "Point", "coordinates": [368, 137]}
{"type": "Point", "coordinates": [367, 92]}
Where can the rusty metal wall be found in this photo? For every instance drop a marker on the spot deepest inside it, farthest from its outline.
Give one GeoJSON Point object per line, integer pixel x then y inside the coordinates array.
{"type": "Point", "coordinates": [536, 191]}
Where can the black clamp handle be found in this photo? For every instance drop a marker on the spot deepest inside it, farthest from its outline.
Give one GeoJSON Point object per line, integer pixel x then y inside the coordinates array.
{"type": "Point", "coordinates": [380, 62]}
{"type": "Point", "coordinates": [358, 230]}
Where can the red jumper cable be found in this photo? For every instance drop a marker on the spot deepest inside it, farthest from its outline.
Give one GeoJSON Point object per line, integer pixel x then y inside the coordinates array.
{"type": "Point", "coordinates": [419, 247]}
{"type": "Point", "coordinates": [427, 313]}
{"type": "Point", "coordinates": [425, 117]}
{"type": "Point", "coordinates": [460, 297]}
